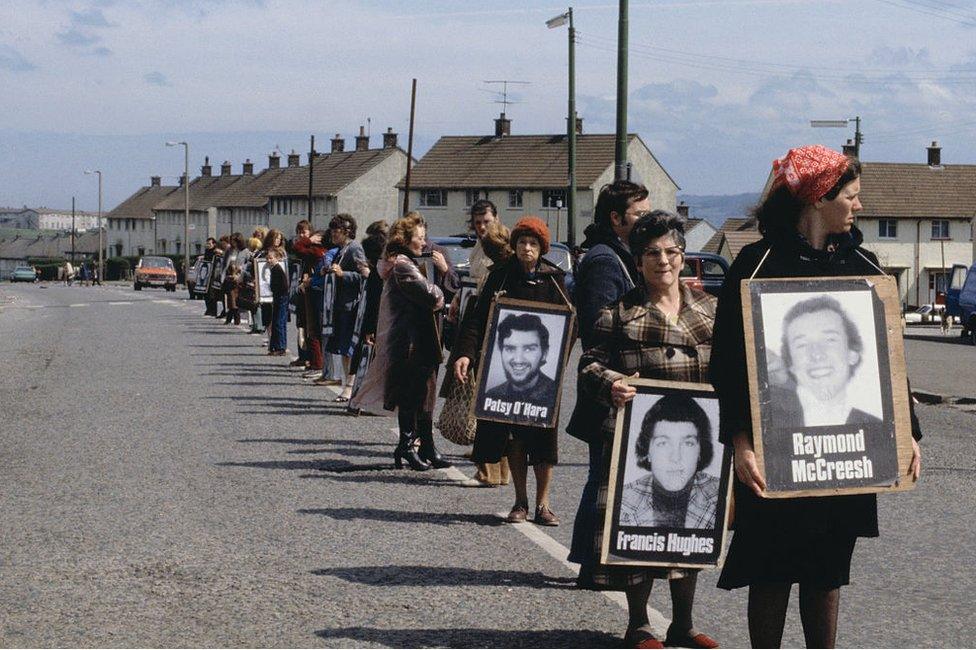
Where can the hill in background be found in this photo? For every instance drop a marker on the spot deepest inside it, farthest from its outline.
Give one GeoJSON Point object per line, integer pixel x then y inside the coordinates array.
{"type": "Point", "coordinates": [716, 208]}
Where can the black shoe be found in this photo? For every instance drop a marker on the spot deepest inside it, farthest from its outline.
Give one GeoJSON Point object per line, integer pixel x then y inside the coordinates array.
{"type": "Point", "coordinates": [428, 451]}
{"type": "Point", "coordinates": [408, 450]}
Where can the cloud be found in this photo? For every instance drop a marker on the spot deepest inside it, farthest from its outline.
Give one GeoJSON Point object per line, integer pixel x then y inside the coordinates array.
{"type": "Point", "coordinates": [101, 51]}
{"type": "Point", "coordinates": [90, 18]}
{"type": "Point", "coordinates": [13, 61]}
{"type": "Point", "coordinates": [156, 78]}
{"type": "Point", "coordinates": [77, 38]}
{"type": "Point", "coordinates": [899, 57]}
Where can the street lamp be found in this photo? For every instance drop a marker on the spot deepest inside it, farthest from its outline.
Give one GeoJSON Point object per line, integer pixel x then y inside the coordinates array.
{"type": "Point", "coordinates": [842, 124]}
{"type": "Point", "coordinates": [101, 248]}
{"type": "Point", "coordinates": [552, 23]}
{"type": "Point", "coordinates": [186, 204]}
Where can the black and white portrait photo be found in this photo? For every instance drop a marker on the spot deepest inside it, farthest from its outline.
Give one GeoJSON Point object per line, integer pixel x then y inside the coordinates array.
{"type": "Point", "coordinates": [821, 378]}
{"type": "Point", "coordinates": [525, 350]}
{"type": "Point", "coordinates": [262, 275]}
{"type": "Point", "coordinates": [203, 277]}
{"type": "Point", "coordinates": [467, 297]}
{"type": "Point", "coordinates": [670, 478]}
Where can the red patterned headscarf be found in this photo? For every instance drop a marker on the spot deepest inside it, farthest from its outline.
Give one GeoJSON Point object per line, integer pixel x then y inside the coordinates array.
{"type": "Point", "coordinates": [810, 171]}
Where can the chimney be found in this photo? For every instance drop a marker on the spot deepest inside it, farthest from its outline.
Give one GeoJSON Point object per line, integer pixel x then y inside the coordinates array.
{"type": "Point", "coordinates": [579, 125]}
{"type": "Point", "coordinates": [182, 179]}
{"type": "Point", "coordinates": [206, 169]}
{"type": "Point", "coordinates": [225, 168]}
{"type": "Point", "coordinates": [683, 209]}
{"type": "Point", "coordinates": [849, 148]}
{"type": "Point", "coordinates": [503, 126]}
{"type": "Point", "coordinates": [154, 181]}
{"type": "Point", "coordinates": [294, 160]}
{"type": "Point", "coordinates": [338, 144]}
{"type": "Point", "coordinates": [274, 161]}
{"type": "Point", "coordinates": [362, 140]}
{"type": "Point", "coordinates": [389, 138]}
{"type": "Point", "coordinates": [935, 154]}
{"type": "Point", "coordinates": [247, 167]}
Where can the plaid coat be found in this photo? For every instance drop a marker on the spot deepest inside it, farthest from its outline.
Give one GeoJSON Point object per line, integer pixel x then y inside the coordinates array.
{"type": "Point", "coordinates": [637, 502]}
{"type": "Point", "coordinates": [633, 336]}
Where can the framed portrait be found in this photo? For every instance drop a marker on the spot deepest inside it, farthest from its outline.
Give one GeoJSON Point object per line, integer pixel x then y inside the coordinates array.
{"type": "Point", "coordinates": [216, 276]}
{"type": "Point", "coordinates": [426, 263]}
{"type": "Point", "coordinates": [827, 385]}
{"type": "Point", "coordinates": [262, 280]}
{"type": "Point", "coordinates": [294, 278]}
{"type": "Point", "coordinates": [328, 304]}
{"type": "Point", "coordinates": [670, 479]}
{"type": "Point", "coordinates": [204, 272]}
{"type": "Point", "coordinates": [523, 357]}
{"type": "Point", "coordinates": [467, 296]}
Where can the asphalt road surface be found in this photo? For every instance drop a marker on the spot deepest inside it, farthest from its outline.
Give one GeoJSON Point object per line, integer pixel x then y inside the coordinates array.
{"type": "Point", "coordinates": [164, 483]}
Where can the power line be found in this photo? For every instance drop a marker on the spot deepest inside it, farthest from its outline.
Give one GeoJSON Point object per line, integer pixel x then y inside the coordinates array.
{"type": "Point", "coordinates": [968, 20]}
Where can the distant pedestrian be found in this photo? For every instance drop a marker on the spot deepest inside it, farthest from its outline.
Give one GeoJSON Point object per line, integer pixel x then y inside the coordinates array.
{"type": "Point", "coordinates": [96, 274]}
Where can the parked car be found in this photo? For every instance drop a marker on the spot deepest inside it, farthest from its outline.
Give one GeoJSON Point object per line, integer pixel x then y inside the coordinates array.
{"type": "Point", "coordinates": [705, 271]}
{"type": "Point", "coordinates": [961, 299]}
{"type": "Point", "coordinates": [23, 274]}
{"type": "Point", "coordinates": [191, 277]}
{"type": "Point", "coordinates": [459, 249]}
{"type": "Point", "coordinates": [152, 271]}
{"type": "Point", "coordinates": [925, 314]}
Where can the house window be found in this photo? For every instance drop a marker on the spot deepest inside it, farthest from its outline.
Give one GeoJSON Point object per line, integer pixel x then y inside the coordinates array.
{"type": "Point", "coordinates": [473, 196]}
{"type": "Point", "coordinates": [142, 251]}
{"type": "Point", "coordinates": [433, 198]}
{"type": "Point", "coordinates": [554, 198]}
{"type": "Point", "coordinates": [887, 229]}
{"type": "Point", "coordinates": [940, 229]}
{"type": "Point", "coordinates": [515, 198]}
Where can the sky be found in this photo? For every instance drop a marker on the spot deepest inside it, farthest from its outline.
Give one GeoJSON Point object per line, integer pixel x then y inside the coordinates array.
{"type": "Point", "coordinates": [716, 89]}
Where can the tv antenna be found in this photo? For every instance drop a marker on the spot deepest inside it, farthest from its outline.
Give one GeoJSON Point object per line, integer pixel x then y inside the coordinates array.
{"type": "Point", "coordinates": [503, 93]}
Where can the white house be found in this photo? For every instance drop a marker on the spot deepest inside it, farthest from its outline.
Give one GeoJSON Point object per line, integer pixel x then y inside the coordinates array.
{"type": "Point", "coordinates": [130, 228]}
{"type": "Point", "coordinates": [525, 174]}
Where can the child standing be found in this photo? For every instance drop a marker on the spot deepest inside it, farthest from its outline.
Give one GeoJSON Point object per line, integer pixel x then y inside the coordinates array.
{"type": "Point", "coordinates": [231, 288]}
{"type": "Point", "coordinates": [279, 306]}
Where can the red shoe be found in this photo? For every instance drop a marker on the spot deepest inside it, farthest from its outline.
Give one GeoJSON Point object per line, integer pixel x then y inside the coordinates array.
{"type": "Point", "coordinates": [641, 638]}
{"type": "Point", "coordinates": [689, 639]}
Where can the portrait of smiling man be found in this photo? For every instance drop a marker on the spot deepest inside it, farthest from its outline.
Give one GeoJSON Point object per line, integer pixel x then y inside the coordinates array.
{"type": "Point", "coordinates": [821, 350]}
{"type": "Point", "coordinates": [523, 346]}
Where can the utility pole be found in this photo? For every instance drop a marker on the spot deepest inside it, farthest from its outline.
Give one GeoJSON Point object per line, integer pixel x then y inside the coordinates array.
{"type": "Point", "coordinates": [620, 151]}
{"type": "Point", "coordinates": [186, 204]}
{"type": "Point", "coordinates": [72, 230]}
{"type": "Point", "coordinates": [406, 183]}
{"type": "Point", "coordinates": [552, 23]}
{"type": "Point", "coordinates": [311, 171]}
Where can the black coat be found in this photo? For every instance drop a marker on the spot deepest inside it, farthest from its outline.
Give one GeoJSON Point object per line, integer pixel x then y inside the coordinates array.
{"type": "Point", "coordinates": [548, 285]}
{"type": "Point", "coordinates": [789, 256]}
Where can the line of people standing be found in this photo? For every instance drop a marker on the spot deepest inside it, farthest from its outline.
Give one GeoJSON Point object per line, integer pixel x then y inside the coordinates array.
{"type": "Point", "coordinates": [635, 319]}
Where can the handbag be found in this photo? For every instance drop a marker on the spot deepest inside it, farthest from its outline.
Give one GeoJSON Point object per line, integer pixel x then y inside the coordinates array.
{"type": "Point", "coordinates": [457, 423]}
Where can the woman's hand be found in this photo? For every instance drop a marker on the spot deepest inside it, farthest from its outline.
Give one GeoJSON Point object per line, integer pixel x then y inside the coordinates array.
{"type": "Point", "coordinates": [461, 369]}
{"type": "Point", "coordinates": [915, 468]}
{"type": "Point", "coordinates": [337, 270]}
{"type": "Point", "coordinates": [315, 238]}
{"type": "Point", "coordinates": [745, 464]}
{"type": "Point", "coordinates": [370, 339]}
{"type": "Point", "coordinates": [621, 393]}
{"type": "Point", "coordinates": [439, 261]}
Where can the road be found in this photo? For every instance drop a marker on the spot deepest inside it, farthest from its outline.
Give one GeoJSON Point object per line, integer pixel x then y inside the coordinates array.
{"type": "Point", "coordinates": [164, 483]}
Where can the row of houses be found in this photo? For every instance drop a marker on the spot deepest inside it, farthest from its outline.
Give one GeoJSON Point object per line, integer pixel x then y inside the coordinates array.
{"type": "Point", "coordinates": [521, 174]}
{"type": "Point", "coordinates": [47, 219]}
{"type": "Point", "coordinates": [18, 246]}
{"type": "Point", "coordinates": [917, 217]}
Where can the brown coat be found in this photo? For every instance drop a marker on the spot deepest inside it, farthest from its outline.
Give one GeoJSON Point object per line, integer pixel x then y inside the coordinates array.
{"type": "Point", "coordinates": [403, 372]}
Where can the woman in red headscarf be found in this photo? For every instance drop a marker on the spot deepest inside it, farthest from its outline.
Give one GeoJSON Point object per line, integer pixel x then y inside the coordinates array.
{"type": "Point", "coordinates": [807, 224]}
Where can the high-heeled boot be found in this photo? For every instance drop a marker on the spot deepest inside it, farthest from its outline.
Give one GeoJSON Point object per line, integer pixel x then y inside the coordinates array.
{"type": "Point", "coordinates": [407, 449]}
{"type": "Point", "coordinates": [428, 451]}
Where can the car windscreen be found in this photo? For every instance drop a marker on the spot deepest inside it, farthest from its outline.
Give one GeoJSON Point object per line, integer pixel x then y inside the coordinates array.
{"type": "Point", "coordinates": [459, 255]}
{"type": "Point", "coordinates": [157, 262]}
{"type": "Point", "coordinates": [561, 258]}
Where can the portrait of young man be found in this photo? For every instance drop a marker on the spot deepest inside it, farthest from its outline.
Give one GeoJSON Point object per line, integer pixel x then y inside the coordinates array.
{"type": "Point", "coordinates": [523, 349]}
{"type": "Point", "coordinates": [675, 445]}
{"type": "Point", "coordinates": [821, 350]}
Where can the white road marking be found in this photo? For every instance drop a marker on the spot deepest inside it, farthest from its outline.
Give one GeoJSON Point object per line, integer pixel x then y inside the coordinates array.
{"type": "Point", "coordinates": [165, 302]}
{"type": "Point", "coordinates": [120, 302]}
{"type": "Point", "coordinates": [79, 304]}
{"type": "Point", "coordinates": [555, 550]}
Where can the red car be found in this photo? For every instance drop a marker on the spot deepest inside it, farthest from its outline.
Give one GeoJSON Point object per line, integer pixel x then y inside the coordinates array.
{"type": "Point", "coordinates": [155, 272]}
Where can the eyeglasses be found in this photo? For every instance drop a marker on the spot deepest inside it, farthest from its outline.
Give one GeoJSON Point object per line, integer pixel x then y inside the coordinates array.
{"type": "Point", "coordinates": [672, 253]}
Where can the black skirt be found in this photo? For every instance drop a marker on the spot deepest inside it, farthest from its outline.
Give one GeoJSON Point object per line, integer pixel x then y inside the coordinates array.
{"type": "Point", "coordinates": [491, 442]}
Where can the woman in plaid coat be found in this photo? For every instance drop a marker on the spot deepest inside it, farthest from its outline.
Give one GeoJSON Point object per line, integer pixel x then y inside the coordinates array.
{"type": "Point", "coordinates": [660, 330]}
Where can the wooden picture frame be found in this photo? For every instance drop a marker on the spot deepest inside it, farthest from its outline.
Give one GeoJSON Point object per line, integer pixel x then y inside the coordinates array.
{"type": "Point", "coordinates": [806, 446]}
{"type": "Point", "coordinates": [202, 288]}
{"type": "Point", "coordinates": [262, 280]}
{"type": "Point", "coordinates": [496, 393]}
{"type": "Point", "coordinates": [632, 533]}
{"type": "Point", "coordinates": [467, 296]}
{"type": "Point", "coordinates": [216, 277]}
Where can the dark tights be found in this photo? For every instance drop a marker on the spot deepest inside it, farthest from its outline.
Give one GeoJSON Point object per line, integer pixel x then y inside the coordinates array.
{"type": "Point", "coordinates": [414, 422]}
{"type": "Point", "coordinates": [682, 603]}
{"type": "Point", "coordinates": [767, 614]}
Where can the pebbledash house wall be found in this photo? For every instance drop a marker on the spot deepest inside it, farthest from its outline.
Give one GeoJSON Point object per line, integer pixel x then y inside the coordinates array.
{"type": "Point", "coordinates": [897, 255]}
{"type": "Point", "coordinates": [452, 219]}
